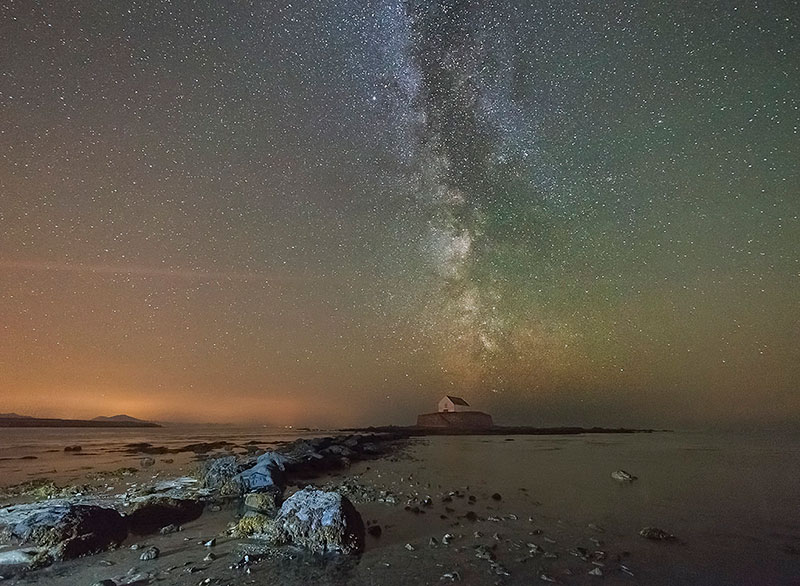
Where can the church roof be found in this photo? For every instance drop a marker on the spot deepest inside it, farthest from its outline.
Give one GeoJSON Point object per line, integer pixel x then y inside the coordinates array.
{"type": "Point", "coordinates": [457, 400]}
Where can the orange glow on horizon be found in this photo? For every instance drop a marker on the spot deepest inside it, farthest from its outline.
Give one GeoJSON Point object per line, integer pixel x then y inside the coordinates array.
{"type": "Point", "coordinates": [86, 403]}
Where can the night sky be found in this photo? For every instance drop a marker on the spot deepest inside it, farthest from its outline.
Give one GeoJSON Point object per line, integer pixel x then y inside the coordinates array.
{"type": "Point", "coordinates": [332, 213]}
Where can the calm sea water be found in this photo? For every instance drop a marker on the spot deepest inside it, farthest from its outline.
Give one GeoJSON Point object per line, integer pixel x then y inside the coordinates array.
{"type": "Point", "coordinates": [732, 500]}
{"type": "Point", "coordinates": [28, 453]}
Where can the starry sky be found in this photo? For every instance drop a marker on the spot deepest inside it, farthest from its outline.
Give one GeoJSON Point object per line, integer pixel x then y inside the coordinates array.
{"type": "Point", "coordinates": [333, 212]}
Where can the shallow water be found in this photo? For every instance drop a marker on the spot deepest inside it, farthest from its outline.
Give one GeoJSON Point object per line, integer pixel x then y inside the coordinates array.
{"type": "Point", "coordinates": [733, 501]}
{"type": "Point", "coordinates": [28, 453]}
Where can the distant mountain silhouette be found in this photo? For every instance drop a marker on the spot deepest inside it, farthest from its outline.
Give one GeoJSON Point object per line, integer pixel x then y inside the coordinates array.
{"type": "Point", "coordinates": [127, 418]}
{"type": "Point", "coordinates": [16, 420]}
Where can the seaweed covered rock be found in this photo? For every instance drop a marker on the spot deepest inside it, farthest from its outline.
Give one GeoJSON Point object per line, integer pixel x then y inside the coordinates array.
{"type": "Point", "coordinates": [263, 502]}
{"type": "Point", "coordinates": [66, 530]}
{"type": "Point", "coordinates": [259, 526]}
{"type": "Point", "coordinates": [321, 521]}
{"type": "Point", "coordinates": [154, 513]}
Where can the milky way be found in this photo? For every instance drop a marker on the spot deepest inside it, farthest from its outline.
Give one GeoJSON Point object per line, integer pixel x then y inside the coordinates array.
{"type": "Point", "coordinates": [566, 211]}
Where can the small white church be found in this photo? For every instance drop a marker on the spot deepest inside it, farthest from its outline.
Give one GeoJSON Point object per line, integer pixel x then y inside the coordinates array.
{"type": "Point", "coordinates": [451, 404]}
{"type": "Point", "coordinates": [456, 414]}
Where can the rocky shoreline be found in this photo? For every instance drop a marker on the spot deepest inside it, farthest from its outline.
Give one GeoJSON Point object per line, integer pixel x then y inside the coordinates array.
{"type": "Point", "coordinates": [265, 489]}
{"type": "Point", "coordinates": [422, 431]}
{"type": "Point", "coordinates": [366, 509]}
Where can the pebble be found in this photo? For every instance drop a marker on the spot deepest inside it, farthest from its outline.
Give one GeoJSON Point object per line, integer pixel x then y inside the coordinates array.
{"type": "Point", "coordinates": [211, 542]}
{"type": "Point", "coordinates": [622, 476]}
{"type": "Point", "coordinates": [409, 547]}
{"type": "Point", "coordinates": [452, 576]}
{"type": "Point", "coordinates": [499, 569]}
{"type": "Point", "coordinates": [656, 534]}
{"type": "Point", "coordinates": [150, 553]}
{"type": "Point", "coordinates": [433, 542]}
{"type": "Point", "coordinates": [626, 569]}
{"type": "Point", "coordinates": [550, 555]}
{"type": "Point", "coordinates": [375, 530]}
{"type": "Point", "coordinates": [484, 553]}
{"type": "Point", "coordinates": [534, 549]}
{"type": "Point", "coordinates": [546, 577]}
{"type": "Point", "coordinates": [210, 557]}
{"type": "Point", "coordinates": [596, 572]}
{"type": "Point", "coordinates": [496, 496]}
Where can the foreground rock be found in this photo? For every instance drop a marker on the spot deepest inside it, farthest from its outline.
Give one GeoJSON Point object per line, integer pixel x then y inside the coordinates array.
{"type": "Point", "coordinates": [63, 529]}
{"type": "Point", "coordinates": [322, 522]}
{"type": "Point", "coordinates": [317, 520]}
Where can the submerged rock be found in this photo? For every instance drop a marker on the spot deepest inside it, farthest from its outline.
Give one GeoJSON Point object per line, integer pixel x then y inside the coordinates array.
{"type": "Point", "coordinates": [66, 530]}
{"type": "Point", "coordinates": [154, 513]}
{"type": "Point", "coordinates": [656, 534]}
{"type": "Point", "coordinates": [622, 476]}
{"type": "Point", "coordinates": [321, 522]}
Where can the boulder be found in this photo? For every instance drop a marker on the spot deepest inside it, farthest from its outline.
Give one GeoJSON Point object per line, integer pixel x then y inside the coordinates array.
{"type": "Point", "coordinates": [66, 530]}
{"type": "Point", "coordinates": [321, 522]}
{"type": "Point", "coordinates": [152, 514]}
{"type": "Point", "coordinates": [266, 476]}
{"type": "Point", "coordinates": [220, 474]}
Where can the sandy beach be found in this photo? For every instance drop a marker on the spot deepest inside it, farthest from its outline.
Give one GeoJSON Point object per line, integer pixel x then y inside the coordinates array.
{"type": "Point", "coordinates": [488, 510]}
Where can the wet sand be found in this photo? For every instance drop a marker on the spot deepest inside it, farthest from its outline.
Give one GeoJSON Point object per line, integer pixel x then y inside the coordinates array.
{"type": "Point", "coordinates": [517, 510]}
